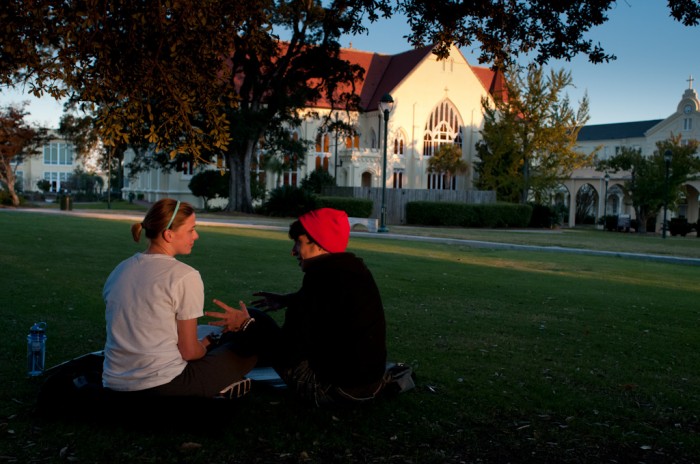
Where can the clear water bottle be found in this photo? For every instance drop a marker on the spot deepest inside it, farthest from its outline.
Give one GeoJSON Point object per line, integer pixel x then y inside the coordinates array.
{"type": "Point", "coordinates": [36, 349]}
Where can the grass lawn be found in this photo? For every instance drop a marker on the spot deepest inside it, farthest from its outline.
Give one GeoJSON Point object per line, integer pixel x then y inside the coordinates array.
{"type": "Point", "coordinates": [519, 356]}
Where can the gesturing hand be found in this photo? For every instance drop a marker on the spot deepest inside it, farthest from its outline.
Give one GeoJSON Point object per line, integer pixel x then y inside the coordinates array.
{"type": "Point", "coordinates": [231, 319]}
{"type": "Point", "coordinates": [269, 301]}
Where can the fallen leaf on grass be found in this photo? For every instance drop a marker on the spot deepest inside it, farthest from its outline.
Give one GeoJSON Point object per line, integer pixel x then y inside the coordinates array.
{"type": "Point", "coordinates": [190, 446]}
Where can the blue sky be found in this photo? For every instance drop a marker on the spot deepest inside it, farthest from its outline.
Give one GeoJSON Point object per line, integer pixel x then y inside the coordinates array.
{"type": "Point", "coordinates": [656, 55]}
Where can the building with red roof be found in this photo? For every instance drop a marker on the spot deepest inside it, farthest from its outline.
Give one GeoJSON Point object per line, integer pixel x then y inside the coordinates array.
{"type": "Point", "coordinates": [435, 102]}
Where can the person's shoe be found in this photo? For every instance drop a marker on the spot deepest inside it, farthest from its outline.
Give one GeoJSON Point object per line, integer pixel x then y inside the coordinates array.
{"type": "Point", "coordinates": [236, 389]}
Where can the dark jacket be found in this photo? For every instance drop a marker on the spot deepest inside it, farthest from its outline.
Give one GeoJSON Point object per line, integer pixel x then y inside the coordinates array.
{"type": "Point", "coordinates": [336, 322]}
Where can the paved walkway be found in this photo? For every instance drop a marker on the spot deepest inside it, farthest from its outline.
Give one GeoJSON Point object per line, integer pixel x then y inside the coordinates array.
{"type": "Point", "coordinates": [283, 224]}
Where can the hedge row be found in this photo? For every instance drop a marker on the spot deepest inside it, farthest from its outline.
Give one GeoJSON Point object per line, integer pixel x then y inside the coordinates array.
{"type": "Point", "coordinates": [354, 207]}
{"type": "Point", "coordinates": [467, 215]}
{"type": "Point", "coordinates": [290, 201]}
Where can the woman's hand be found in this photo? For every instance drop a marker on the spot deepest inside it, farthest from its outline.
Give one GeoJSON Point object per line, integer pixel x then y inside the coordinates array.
{"type": "Point", "coordinates": [231, 319]}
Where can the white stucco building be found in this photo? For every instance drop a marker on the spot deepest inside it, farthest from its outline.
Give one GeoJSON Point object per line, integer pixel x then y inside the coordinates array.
{"type": "Point", "coordinates": [55, 162]}
{"type": "Point", "coordinates": [642, 135]}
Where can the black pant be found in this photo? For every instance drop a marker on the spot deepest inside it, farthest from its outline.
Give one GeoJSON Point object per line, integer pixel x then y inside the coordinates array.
{"type": "Point", "coordinates": [264, 339]}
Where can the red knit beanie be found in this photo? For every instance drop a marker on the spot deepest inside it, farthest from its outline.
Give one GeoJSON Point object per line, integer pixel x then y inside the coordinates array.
{"type": "Point", "coordinates": [328, 227]}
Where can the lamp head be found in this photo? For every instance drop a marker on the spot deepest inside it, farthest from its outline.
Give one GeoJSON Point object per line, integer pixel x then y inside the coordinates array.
{"type": "Point", "coordinates": [668, 156]}
{"type": "Point", "coordinates": [386, 103]}
{"type": "Point", "coordinates": [607, 177]}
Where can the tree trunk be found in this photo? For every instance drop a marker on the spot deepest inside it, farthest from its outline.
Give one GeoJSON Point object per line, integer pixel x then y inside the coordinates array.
{"type": "Point", "coordinates": [13, 194]}
{"type": "Point", "coordinates": [239, 188]}
{"type": "Point", "coordinates": [526, 182]}
{"type": "Point", "coordinates": [7, 175]}
{"type": "Point", "coordinates": [641, 220]}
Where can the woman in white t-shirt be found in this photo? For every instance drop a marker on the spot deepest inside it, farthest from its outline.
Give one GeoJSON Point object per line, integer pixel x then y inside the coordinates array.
{"type": "Point", "coordinates": [153, 302]}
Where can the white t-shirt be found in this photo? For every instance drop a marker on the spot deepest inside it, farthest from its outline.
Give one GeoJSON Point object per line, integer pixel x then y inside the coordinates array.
{"type": "Point", "coordinates": [144, 296]}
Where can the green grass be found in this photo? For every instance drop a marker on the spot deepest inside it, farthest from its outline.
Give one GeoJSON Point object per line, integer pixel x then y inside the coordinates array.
{"type": "Point", "coordinates": [520, 356]}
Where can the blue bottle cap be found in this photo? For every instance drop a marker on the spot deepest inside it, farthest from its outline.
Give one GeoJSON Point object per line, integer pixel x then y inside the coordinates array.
{"type": "Point", "coordinates": [38, 327]}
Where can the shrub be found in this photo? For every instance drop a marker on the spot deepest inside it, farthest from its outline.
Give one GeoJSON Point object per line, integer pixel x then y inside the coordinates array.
{"type": "Point", "coordinates": [288, 201]}
{"type": "Point", "coordinates": [610, 222]}
{"type": "Point", "coordinates": [317, 180]}
{"type": "Point", "coordinates": [44, 185]}
{"type": "Point", "coordinates": [544, 216]}
{"type": "Point", "coordinates": [680, 226]}
{"type": "Point", "coordinates": [468, 215]}
{"type": "Point", "coordinates": [5, 198]}
{"type": "Point", "coordinates": [209, 184]}
{"type": "Point", "coordinates": [354, 207]}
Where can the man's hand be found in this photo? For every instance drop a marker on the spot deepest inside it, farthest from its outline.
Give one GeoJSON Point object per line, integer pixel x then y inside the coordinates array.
{"type": "Point", "coordinates": [231, 319]}
{"type": "Point", "coordinates": [269, 301]}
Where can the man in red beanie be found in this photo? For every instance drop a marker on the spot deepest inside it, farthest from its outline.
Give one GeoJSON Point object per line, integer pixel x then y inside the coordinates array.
{"type": "Point", "coordinates": [332, 345]}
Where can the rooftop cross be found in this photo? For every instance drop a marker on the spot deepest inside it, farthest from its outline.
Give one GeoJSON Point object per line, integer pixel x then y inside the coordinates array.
{"type": "Point", "coordinates": [690, 81]}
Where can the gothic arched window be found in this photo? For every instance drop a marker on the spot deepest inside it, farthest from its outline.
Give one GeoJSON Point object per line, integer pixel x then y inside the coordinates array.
{"type": "Point", "coordinates": [399, 143]}
{"type": "Point", "coordinates": [444, 125]}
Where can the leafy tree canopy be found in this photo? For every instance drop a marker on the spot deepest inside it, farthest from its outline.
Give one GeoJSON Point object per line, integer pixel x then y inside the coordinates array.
{"type": "Point", "coordinates": [317, 180]}
{"type": "Point", "coordinates": [209, 184]}
{"type": "Point", "coordinates": [448, 160]}
{"type": "Point", "coordinates": [529, 138]}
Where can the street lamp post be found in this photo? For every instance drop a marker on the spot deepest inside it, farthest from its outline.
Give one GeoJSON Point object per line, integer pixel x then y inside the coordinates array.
{"type": "Point", "coordinates": [335, 162]}
{"type": "Point", "coordinates": [109, 178]}
{"type": "Point", "coordinates": [386, 104]}
{"type": "Point", "coordinates": [668, 155]}
{"type": "Point", "coordinates": [605, 203]}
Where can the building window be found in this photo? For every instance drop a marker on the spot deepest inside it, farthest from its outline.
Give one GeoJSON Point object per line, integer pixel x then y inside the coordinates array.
{"type": "Point", "coordinates": [399, 144]}
{"type": "Point", "coordinates": [257, 172]}
{"type": "Point", "coordinates": [187, 168]}
{"type": "Point", "coordinates": [443, 126]}
{"type": "Point", "coordinates": [440, 182]}
{"type": "Point", "coordinates": [322, 163]}
{"type": "Point", "coordinates": [398, 178]}
{"type": "Point", "coordinates": [687, 124]}
{"type": "Point", "coordinates": [366, 179]}
{"type": "Point", "coordinates": [56, 179]}
{"type": "Point", "coordinates": [352, 142]}
{"type": "Point", "coordinates": [19, 180]}
{"type": "Point", "coordinates": [323, 143]}
{"type": "Point", "coordinates": [291, 175]}
{"type": "Point", "coordinates": [58, 153]}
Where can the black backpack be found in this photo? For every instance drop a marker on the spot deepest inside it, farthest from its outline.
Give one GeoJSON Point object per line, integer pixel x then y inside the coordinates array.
{"type": "Point", "coordinates": [73, 387]}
